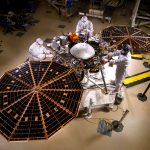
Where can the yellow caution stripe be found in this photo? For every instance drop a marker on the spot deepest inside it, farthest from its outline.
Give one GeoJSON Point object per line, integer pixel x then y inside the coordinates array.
{"type": "Point", "coordinates": [137, 79]}
{"type": "Point", "coordinates": [137, 56]}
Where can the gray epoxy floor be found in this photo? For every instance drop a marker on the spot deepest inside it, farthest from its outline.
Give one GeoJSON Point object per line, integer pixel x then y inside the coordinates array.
{"type": "Point", "coordinates": [80, 134]}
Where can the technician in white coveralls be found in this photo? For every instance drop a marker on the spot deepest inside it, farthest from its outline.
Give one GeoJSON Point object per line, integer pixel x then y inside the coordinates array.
{"type": "Point", "coordinates": [38, 52]}
{"type": "Point", "coordinates": [124, 57]}
{"type": "Point", "coordinates": [84, 26]}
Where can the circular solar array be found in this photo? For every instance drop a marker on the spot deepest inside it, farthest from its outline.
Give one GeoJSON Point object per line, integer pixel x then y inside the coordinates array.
{"type": "Point", "coordinates": [37, 99]}
{"type": "Point", "coordinates": [119, 35]}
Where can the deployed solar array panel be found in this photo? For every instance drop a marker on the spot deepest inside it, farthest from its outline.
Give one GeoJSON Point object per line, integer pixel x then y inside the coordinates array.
{"type": "Point", "coordinates": [37, 99]}
{"type": "Point", "coordinates": [119, 35]}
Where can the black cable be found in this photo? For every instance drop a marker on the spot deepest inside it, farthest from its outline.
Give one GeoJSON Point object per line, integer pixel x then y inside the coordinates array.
{"type": "Point", "coordinates": [108, 120]}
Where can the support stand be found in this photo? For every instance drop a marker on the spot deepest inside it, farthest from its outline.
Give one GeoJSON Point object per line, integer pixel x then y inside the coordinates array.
{"type": "Point", "coordinates": [105, 91]}
{"type": "Point", "coordinates": [104, 81]}
{"type": "Point", "coordinates": [89, 112]}
{"type": "Point", "coordinates": [117, 125]}
{"type": "Point", "coordinates": [86, 112]}
{"type": "Point", "coordinates": [141, 96]}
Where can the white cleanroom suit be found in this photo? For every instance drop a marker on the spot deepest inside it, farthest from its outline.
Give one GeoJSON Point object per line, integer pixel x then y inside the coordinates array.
{"type": "Point", "coordinates": [121, 67]}
{"type": "Point", "coordinates": [124, 57]}
{"type": "Point", "coordinates": [84, 26]}
{"type": "Point", "coordinates": [38, 52]}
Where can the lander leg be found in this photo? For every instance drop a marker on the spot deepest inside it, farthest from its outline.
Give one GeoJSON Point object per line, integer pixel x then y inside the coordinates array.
{"type": "Point", "coordinates": [104, 90]}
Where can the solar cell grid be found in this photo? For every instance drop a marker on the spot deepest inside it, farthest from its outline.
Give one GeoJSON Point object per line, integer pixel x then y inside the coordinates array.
{"type": "Point", "coordinates": [37, 99]}
{"type": "Point", "coordinates": [13, 84]}
{"type": "Point", "coordinates": [22, 73]}
{"type": "Point", "coordinates": [118, 35]}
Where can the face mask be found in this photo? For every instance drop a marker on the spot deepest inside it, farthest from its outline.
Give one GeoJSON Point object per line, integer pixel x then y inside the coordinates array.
{"type": "Point", "coordinates": [84, 19]}
{"type": "Point", "coordinates": [124, 52]}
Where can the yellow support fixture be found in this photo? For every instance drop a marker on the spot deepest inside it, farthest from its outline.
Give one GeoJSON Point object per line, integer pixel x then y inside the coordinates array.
{"type": "Point", "coordinates": [137, 79]}
{"type": "Point", "coordinates": [137, 56]}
